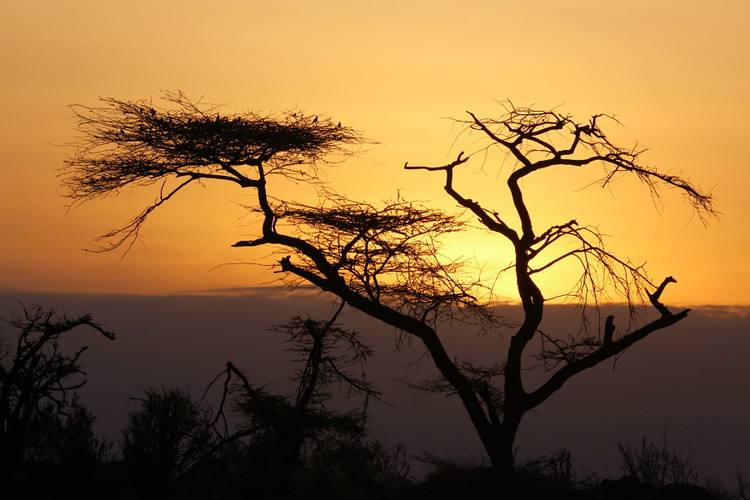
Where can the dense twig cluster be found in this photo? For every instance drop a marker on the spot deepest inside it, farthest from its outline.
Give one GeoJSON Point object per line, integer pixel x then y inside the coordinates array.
{"type": "Point", "coordinates": [167, 435]}
{"type": "Point", "coordinates": [539, 139]}
{"type": "Point", "coordinates": [136, 143]}
{"type": "Point", "coordinates": [389, 254]}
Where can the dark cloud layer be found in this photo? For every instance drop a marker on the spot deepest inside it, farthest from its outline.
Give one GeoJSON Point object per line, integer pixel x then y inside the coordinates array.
{"type": "Point", "coordinates": [691, 380]}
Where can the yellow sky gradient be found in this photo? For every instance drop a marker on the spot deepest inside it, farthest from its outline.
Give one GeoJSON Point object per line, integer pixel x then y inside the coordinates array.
{"type": "Point", "coordinates": [675, 73]}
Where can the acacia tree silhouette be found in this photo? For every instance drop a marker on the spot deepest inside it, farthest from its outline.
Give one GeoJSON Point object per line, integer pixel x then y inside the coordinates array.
{"type": "Point", "coordinates": [387, 261]}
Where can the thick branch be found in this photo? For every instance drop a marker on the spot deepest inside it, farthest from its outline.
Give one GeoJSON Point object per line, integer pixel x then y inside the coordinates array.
{"type": "Point", "coordinates": [414, 327]}
{"type": "Point", "coordinates": [654, 297]}
{"type": "Point", "coordinates": [492, 222]}
{"type": "Point", "coordinates": [608, 349]}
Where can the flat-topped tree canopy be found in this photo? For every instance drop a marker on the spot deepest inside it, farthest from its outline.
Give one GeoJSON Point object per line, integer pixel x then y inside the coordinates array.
{"type": "Point", "coordinates": [136, 143]}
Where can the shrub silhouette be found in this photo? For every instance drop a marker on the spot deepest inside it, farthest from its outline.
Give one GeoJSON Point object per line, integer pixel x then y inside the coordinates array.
{"type": "Point", "coordinates": [166, 435]}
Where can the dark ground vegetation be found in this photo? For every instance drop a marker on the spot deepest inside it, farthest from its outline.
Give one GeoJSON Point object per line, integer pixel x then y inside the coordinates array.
{"type": "Point", "coordinates": [350, 471]}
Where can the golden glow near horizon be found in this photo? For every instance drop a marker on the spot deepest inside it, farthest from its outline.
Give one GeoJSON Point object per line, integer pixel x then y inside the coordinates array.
{"type": "Point", "coordinates": [674, 73]}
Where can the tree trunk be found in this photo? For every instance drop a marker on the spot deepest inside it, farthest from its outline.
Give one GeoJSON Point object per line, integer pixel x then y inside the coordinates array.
{"type": "Point", "coordinates": [502, 450]}
{"type": "Point", "coordinates": [503, 463]}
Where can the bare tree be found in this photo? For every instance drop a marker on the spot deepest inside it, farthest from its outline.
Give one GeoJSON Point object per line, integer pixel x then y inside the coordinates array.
{"type": "Point", "coordinates": [35, 372]}
{"type": "Point", "coordinates": [388, 261]}
{"type": "Point", "coordinates": [537, 141]}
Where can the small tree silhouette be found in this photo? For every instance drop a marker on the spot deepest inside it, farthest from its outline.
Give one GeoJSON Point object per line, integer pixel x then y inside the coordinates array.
{"type": "Point", "coordinates": [166, 435]}
{"type": "Point", "coordinates": [287, 423]}
{"type": "Point", "coordinates": [387, 261]}
{"type": "Point", "coordinates": [66, 437]}
{"type": "Point", "coordinates": [37, 377]}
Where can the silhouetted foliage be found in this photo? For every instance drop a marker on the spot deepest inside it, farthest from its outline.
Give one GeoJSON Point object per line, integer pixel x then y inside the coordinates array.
{"type": "Point", "coordinates": [37, 381]}
{"type": "Point", "coordinates": [166, 435]}
{"type": "Point", "coordinates": [137, 143]}
{"type": "Point", "coordinates": [289, 428]}
{"type": "Point", "coordinates": [742, 491]}
{"type": "Point", "coordinates": [66, 437]}
{"type": "Point", "coordinates": [388, 261]}
{"type": "Point", "coordinates": [554, 471]}
{"type": "Point", "coordinates": [656, 465]}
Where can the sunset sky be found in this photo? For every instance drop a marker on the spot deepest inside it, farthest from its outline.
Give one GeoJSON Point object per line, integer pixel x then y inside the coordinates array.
{"type": "Point", "coordinates": [674, 73]}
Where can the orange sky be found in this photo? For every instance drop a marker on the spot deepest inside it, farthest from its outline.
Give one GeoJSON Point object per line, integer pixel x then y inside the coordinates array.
{"type": "Point", "coordinates": [675, 73]}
